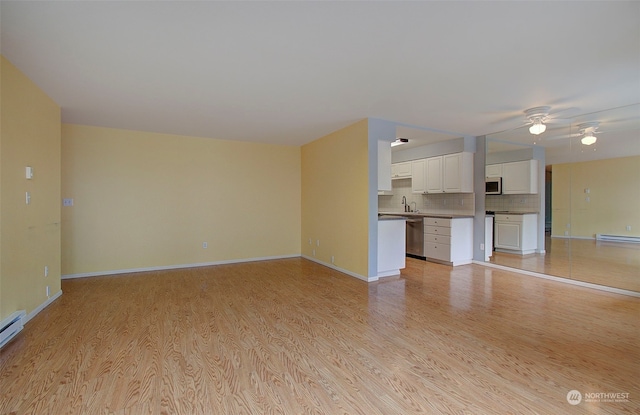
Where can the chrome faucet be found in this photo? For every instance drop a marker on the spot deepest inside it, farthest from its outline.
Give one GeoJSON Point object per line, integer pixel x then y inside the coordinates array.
{"type": "Point", "coordinates": [404, 202]}
{"type": "Point", "coordinates": [415, 207]}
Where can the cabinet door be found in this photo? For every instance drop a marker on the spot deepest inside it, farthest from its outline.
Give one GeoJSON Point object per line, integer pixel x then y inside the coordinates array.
{"type": "Point", "coordinates": [417, 176]}
{"type": "Point", "coordinates": [401, 170]}
{"type": "Point", "coordinates": [457, 173]}
{"type": "Point", "coordinates": [434, 175]}
{"type": "Point", "coordinates": [508, 235]}
{"type": "Point", "coordinates": [384, 166]}
{"type": "Point", "coordinates": [451, 173]}
{"type": "Point", "coordinates": [520, 177]}
{"type": "Point", "coordinates": [493, 170]}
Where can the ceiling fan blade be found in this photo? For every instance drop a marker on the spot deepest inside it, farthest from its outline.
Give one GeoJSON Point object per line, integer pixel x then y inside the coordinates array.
{"type": "Point", "coordinates": [558, 137]}
{"type": "Point", "coordinates": [558, 121]}
{"type": "Point", "coordinates": [563, 114]}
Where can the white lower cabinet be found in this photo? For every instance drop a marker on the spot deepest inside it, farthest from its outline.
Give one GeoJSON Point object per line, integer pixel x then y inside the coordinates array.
{"type": "Point", "coordinates": [448, 240]}
{"type": "Point", "coordinates": [516, 233]}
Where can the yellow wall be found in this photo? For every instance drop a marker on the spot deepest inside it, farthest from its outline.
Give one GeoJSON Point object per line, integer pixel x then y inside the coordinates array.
{"type": "Point", "coordinates": [30, 234]}
{"type": "Point", "coordinates": [335, 198]}
{"type": "Point", "coordinates": [614, 197]}
{"type": "Point", "coordinates": [146, 200]}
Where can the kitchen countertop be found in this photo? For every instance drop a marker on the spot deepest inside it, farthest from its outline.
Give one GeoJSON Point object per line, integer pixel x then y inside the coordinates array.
{"type": "Point", "coordinates": [423, 214]}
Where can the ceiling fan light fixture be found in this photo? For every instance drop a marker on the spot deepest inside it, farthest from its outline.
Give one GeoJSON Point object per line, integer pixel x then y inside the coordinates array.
{"type": "Point", "coordinates": [588, 139]}
{"type": "Point", "coordinates": [537, 128]}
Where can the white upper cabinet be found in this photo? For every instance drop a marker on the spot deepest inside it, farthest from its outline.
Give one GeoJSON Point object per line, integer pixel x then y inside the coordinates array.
{"type": "Point", "coordinates": [451, 173]}
{"type": "Point", "coordinates": [457, 176]}
{"type": "Point", "coordinates": [520, 177]}
{"type": "Point", "coordinates": [434, 175]}
{"type": "Point", "coordinates": [384, 165]}
{"type": "Point", "coordinates": [418, 176]}
{"type": "Point", "coordinates": [401, 170]}
{"type": "Point", "coordinates": [493, 170]}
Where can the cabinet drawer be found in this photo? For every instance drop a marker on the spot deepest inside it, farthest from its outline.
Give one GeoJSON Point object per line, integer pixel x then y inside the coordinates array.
{"type": "Point", "coordinates": [437, 239]}
{"type": "Point", "coordinates": [437, 221]}
{"type": "Point", "coordinates": [437, 230]}
{"type": "Point", "coordinates": [438, 251]}
{"type": "Point", "coordinates": [500, 217]}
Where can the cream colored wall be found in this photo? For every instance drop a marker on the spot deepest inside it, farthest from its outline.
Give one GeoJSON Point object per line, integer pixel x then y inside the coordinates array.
{"type": "Point", "coordinates": [147, 200]}
{"type": "Point", "coordinates": [614, 197]}
{"type": "Point", "coordinates": [29, 234]}
{"type": "Point", "coordinates": [335, 198]}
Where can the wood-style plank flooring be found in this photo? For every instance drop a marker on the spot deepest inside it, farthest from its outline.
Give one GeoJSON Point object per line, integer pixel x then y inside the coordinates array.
{"type": "Point", "coordinates": [612, 264]}
{"type": "Point", "coordinates": [294, 337]}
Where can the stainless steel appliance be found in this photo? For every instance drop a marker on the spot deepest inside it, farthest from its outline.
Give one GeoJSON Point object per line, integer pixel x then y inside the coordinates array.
{"type": "Point", "coordinates": [415, 237]}
{"type": "Point", "coordinates": [493, 185]}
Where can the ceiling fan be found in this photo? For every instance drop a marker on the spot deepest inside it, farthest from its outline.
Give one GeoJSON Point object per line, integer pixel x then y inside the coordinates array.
{"type": "Point", "coordinates": [586, 130]}
{"type": "Point", "coordinates": [538, 118]}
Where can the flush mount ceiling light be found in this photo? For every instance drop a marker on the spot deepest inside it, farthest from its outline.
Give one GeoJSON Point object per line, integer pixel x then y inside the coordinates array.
{"type": "Point", "coordinates": [537, 128]}
{"type": "Point", "coordinates": [399, 141]}
{"type": "Point", "coordinates": [537, 117]}
{"type": "Point", "coordinates": [588, 130]}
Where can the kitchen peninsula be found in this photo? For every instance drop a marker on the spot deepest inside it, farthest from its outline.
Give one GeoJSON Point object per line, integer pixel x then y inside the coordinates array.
{"type": "Point", "coordinates": [391, 245]}
{"type": "Point", "coordinates": [448, 238]}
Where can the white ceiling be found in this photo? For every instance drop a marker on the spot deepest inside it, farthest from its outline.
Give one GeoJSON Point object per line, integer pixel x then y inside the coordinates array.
{"type": "Point", "coordinates": [290, 72]}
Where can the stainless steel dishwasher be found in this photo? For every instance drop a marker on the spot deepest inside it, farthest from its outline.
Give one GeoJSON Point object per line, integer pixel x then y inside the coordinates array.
{"type": "Point", "coordinates": [415, 237]}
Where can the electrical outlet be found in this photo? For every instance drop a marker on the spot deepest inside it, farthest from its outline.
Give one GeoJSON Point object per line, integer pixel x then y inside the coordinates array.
{"type": "Point", "coordinates": [333, 259]}
{"type": "Point", "coordinates": [310, 241]}
{"type": "Point", "coordinates": [48, 291]}
{"type": "Point", "coordinates": [204, 245]}
{"type": "Point", "coordinates": [28, 197]}
{"type": "Point", "coordinates": [318, 242]}
{"type": "Point", "coordinates": [67, 202]}
{"type": "Point", "coordinates": [628, 227]}
{"type": "Point", "coordinates": [482, 247]}
{"type": "Point", "coordinates": [46, 271]}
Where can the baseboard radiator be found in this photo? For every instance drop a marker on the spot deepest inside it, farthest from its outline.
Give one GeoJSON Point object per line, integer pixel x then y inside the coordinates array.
{"type": "Point", "coordinates": [618, 238]}
{"type": "Point", "coordinates": [11, 326]}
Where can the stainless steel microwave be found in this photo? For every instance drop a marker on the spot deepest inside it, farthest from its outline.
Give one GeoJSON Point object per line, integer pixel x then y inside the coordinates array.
{"type": "Point", "coordinates": [493, 186]}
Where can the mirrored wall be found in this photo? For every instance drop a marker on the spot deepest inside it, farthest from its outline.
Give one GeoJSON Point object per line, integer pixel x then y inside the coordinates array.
{"type": "Point", "coordinates": [588, 198]}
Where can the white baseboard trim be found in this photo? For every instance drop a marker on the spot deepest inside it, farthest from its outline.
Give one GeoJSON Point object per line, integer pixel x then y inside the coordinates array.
{"type": "Point", "coordinates": [572, 237]}
{"type": "Point", "coordinates": [167, 267]}
{"type": "Point", "coordinates": [344, 271]}
{"type": "Point", "coordinates": [561, 279]}
{"type": "Point", "coordinates": [42, 306]}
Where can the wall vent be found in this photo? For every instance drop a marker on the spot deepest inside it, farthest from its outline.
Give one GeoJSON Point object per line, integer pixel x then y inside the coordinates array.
{"type": "Point", "coordinates": [11, 326]}
{"type": "Point", "coordinates": [618, 238]}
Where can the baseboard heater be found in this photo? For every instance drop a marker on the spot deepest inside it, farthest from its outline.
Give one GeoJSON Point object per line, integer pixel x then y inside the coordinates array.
{"type": "Point", "coordinates": [618, 238]}
{"type": "Point", "coordinates": [11, 326]}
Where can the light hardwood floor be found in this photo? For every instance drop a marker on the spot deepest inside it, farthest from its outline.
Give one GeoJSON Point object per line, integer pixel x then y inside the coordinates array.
{"type": "Point", "coordinates": [291, 337]}
{"type": "Point", "coordinates": [612, 264]}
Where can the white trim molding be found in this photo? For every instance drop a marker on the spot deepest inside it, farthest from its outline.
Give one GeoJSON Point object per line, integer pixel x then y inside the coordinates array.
{"type": "Point", "coordinates": [167, 267]}
{"type": "Point", "coordinates": [561, 279]}
{"type": "Point", "coordinates": [342, 270]}
{"type": "Point", "coordinates": [42, 306]}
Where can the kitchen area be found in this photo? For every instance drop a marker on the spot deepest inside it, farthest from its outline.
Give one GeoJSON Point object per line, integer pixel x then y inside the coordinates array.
{"type": "Point", "coordinates": [432, 187]}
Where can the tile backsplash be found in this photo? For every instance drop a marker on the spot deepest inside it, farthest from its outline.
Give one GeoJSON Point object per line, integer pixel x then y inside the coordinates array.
{"type": "Point", "coordinates": [511, 203]}
{"type": "Point", "coordinates": [445, 203]}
